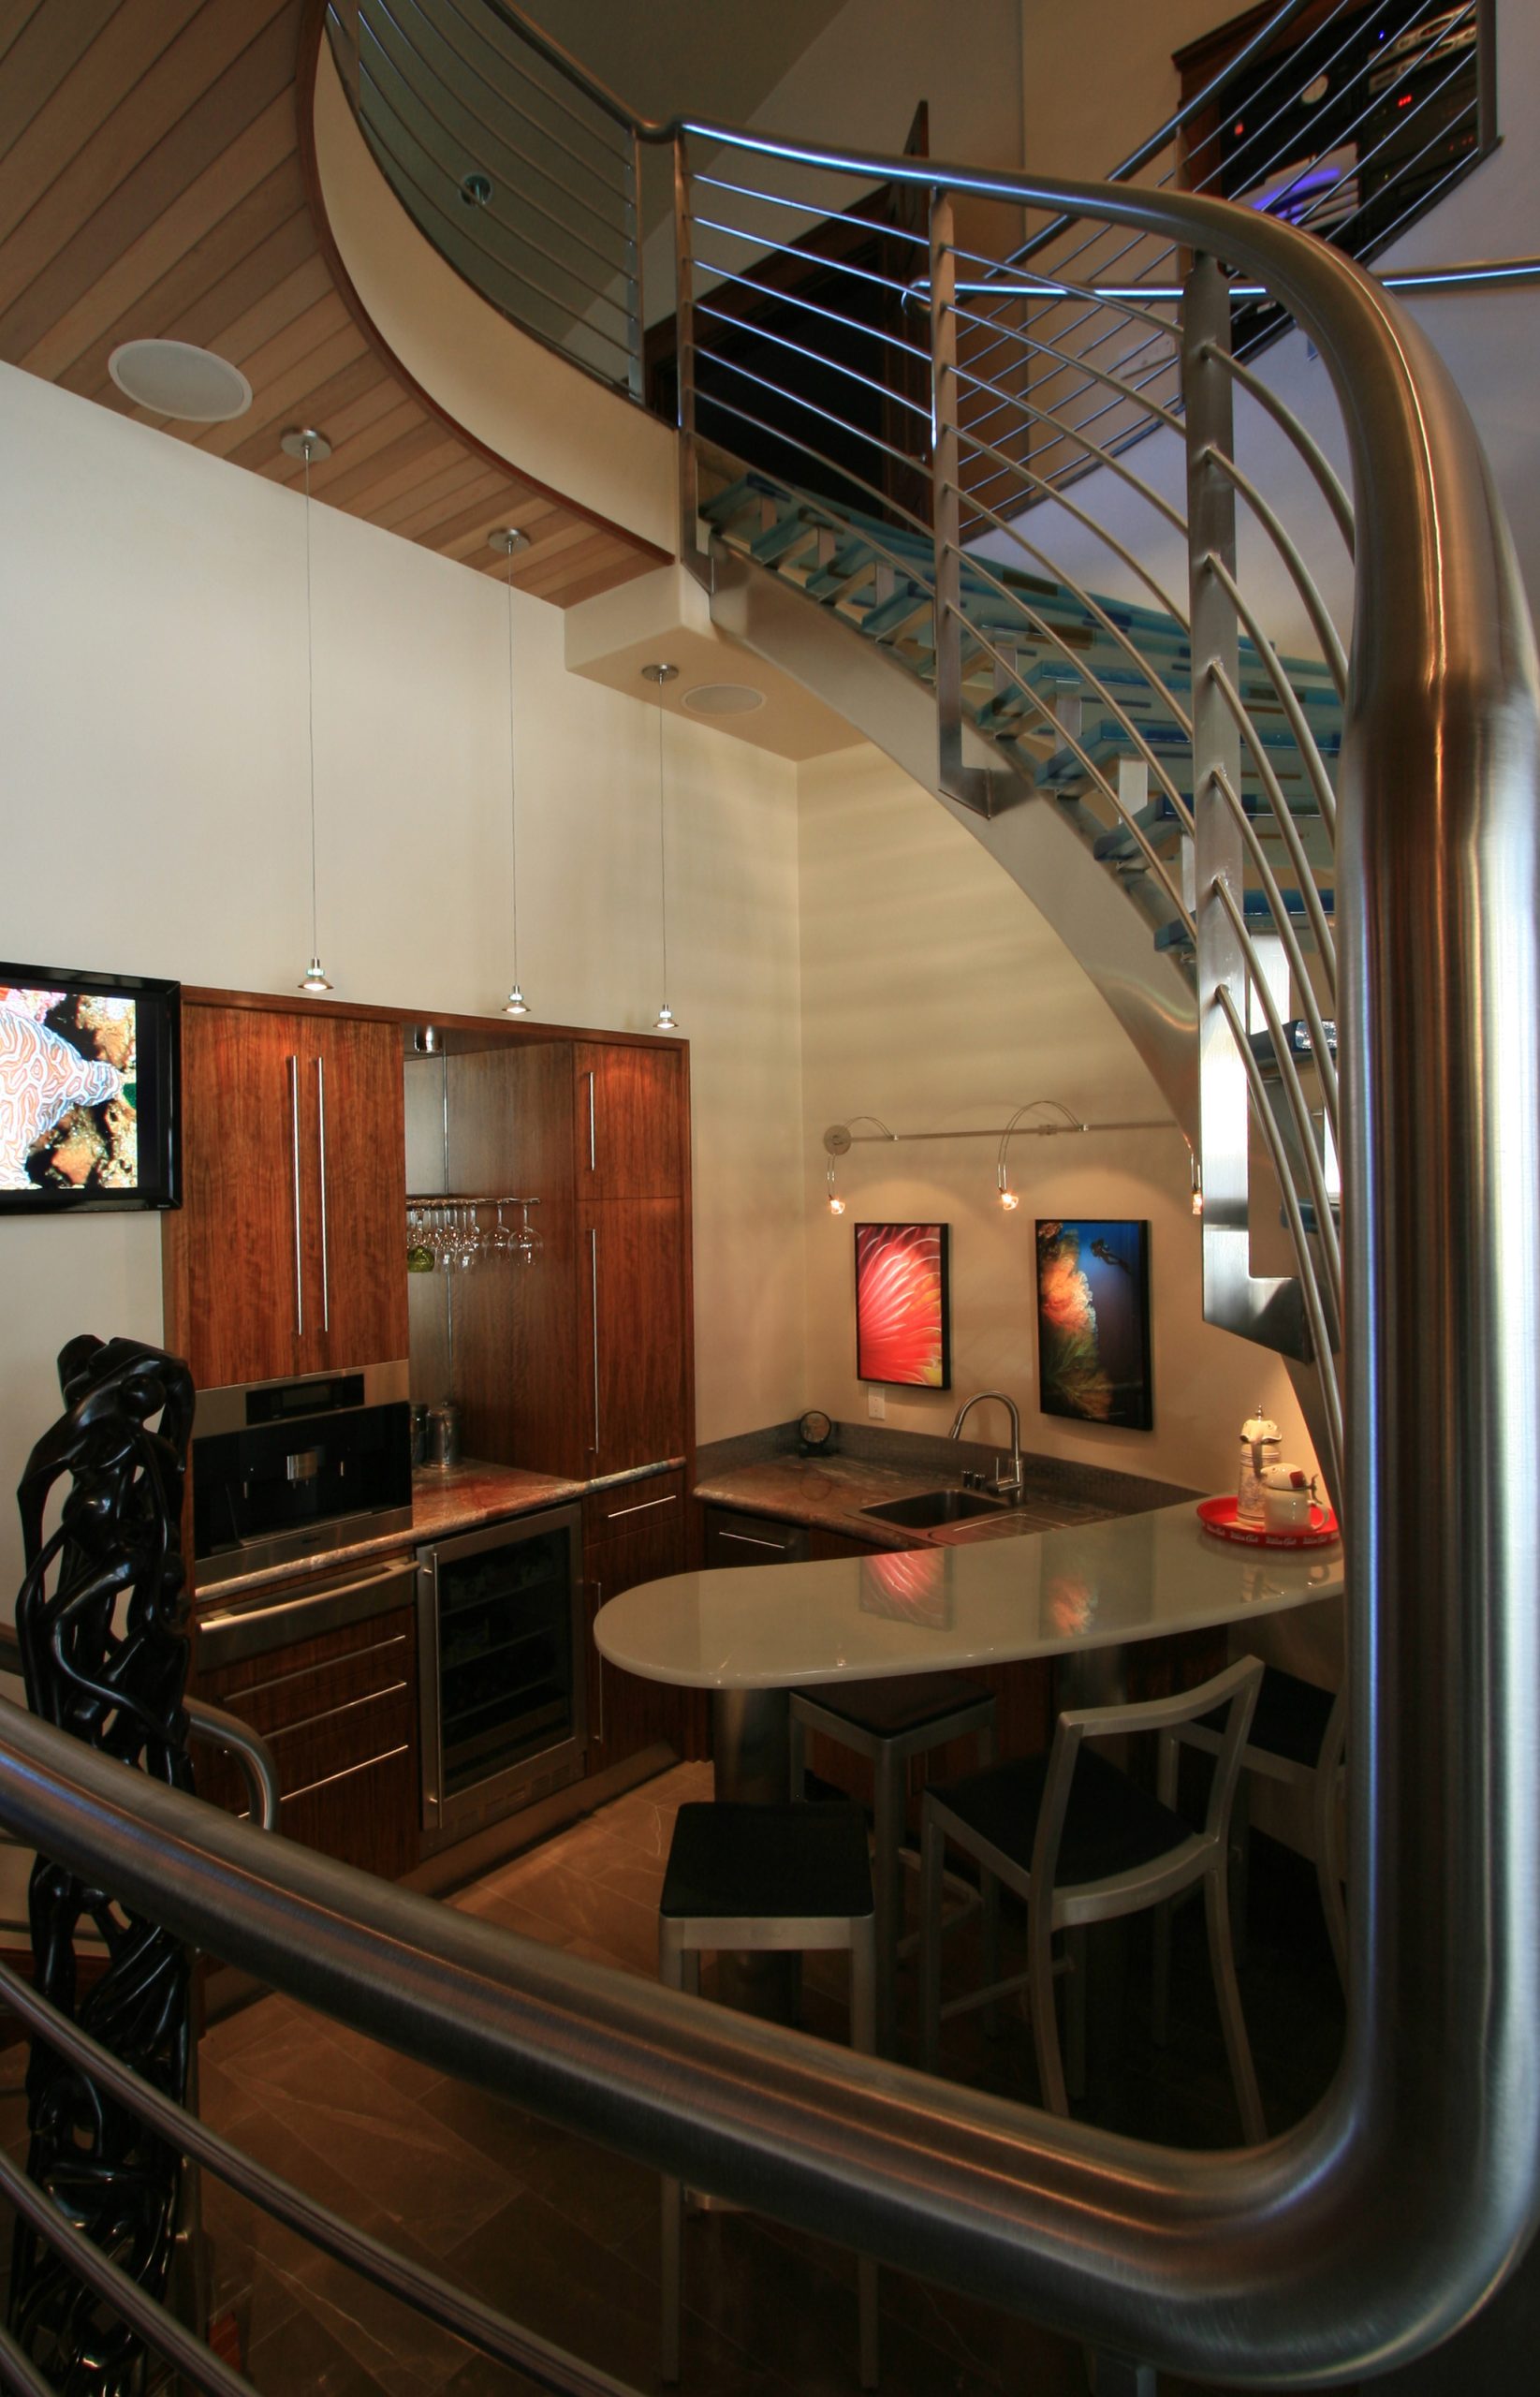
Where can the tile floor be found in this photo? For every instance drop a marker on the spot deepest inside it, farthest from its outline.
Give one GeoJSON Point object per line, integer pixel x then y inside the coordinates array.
{"type": "Point", "coordinates": [562, 2235]}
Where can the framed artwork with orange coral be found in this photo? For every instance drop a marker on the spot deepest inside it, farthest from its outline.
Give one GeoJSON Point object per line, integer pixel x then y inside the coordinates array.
{"type": "Point", "coordinates": [1094, 1321]}
{"type": "Point", "coordinates": [903, 1316]}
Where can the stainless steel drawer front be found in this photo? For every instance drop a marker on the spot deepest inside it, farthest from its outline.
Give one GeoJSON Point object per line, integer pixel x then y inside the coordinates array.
{"type": "Point", "coordinates": [232, 1633]}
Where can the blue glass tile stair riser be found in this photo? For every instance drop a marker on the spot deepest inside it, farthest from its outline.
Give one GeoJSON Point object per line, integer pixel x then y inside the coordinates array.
{"type": "Point", "coordinates": [101, 1623]}
{"type": "Point", "coordinates": [1028, 638]}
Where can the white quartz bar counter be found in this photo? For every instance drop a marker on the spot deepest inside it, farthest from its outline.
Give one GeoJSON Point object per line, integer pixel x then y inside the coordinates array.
{"type": "Point", "coordinates": [924, 1610]}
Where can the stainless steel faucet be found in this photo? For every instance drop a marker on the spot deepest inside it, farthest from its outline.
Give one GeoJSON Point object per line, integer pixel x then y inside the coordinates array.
{"type": "Point", "coordinates": [1002, 1487]}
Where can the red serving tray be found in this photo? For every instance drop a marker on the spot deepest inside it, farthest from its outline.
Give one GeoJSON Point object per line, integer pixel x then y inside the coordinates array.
{"type": "Point", "coordinates": [1217, 1515]}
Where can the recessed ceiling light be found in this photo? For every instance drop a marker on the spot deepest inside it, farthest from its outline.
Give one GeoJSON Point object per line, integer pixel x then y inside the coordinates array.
{"type": "Point", "coordinates": [723, 699]}
{"type": "Point", "coordinates": [177, 379]}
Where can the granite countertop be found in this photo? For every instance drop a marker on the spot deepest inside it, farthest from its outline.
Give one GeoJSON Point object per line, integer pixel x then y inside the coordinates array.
{"type": "Point", "coordinates": [830, 1492]}
{"type": "Point", "coordinates": [460, 1500]}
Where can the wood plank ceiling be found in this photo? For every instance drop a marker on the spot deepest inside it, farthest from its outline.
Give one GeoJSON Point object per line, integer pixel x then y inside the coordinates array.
{"type": "Point", "coordinates": [152, 183]}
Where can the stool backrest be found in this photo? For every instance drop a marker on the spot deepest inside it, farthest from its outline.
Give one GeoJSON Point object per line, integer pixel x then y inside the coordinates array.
{"type": "Point", "coordinates": [1235, 1689]}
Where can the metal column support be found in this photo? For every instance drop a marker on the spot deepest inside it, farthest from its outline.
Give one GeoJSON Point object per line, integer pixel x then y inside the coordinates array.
{"type": "Point", "coordinates": [1270, 1310]}
{"type": "Point", "coordinates": [968, 785]}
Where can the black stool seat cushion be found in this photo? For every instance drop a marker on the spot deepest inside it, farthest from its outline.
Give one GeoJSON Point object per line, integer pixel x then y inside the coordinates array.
{"type": "Point", "coordinates": [731, 1859]}
{"type": "Point", "coordinates": [899, 1702]}
{"type": "Point", "coordinates": [1290, 1720]}
{"type": "Point", "coordinates": [1111, 1825]}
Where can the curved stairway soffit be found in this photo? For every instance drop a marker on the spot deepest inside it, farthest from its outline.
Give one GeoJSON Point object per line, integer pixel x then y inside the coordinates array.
{"type": "Point", "coordinates": [1152, 998]}
{"type": "Point", "coordinates": [523, 409]}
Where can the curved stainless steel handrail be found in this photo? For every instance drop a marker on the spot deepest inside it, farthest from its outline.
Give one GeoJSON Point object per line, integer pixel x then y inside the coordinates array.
{"type": "Point", "coordinates": [1372, 2228]}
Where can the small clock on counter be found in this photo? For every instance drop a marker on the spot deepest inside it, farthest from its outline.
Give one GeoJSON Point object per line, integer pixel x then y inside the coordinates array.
{"type": "Point", "coordinates": [816, 1432]}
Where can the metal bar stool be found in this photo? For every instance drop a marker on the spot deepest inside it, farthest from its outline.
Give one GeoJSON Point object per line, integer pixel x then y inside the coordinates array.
{"type": "Point", "coordinates": [887, 1722]}
{"type": "Point", "coordinates": [768, 1877]}
{"type": "Point", "coordinates": [1297, 1737]}
{"type": "Point", "coordinates": [1081, 1843]}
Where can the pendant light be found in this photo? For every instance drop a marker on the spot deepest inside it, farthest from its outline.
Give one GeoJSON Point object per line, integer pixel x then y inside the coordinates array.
{"type": "Point", "coordinates": [302, 441]}
{"type": "Point", "coordinates": [663, 1021]}
{"type": "Point", "coordinates": [509, 540]}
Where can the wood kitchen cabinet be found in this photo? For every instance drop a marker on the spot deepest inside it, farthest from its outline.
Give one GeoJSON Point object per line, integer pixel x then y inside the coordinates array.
{"type": "Point", "coordinates": [634, 1532]}
{"type": "Point", "coordinates": [631, 1274]}
{"type": "Point", "coordinates": [629, 1125]}
{"type": "Point", "coordinates": [286, 1256]}
{"type": "Point", "coordinates": [338, 1712]}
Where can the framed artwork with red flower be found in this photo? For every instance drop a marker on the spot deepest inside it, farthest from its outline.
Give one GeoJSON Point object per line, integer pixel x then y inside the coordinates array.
{"type": "Point", "coordinates": [903, 1315]}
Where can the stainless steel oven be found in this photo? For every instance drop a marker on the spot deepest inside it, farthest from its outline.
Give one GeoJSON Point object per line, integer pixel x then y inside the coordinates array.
{"type": "Point", "coordinates": [501, 1667]}
{"type": "Point", "coordinates": [286, 1470]}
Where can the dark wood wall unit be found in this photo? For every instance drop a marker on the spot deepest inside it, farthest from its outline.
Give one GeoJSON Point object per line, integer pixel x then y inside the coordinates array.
{"type": "Point", "coordinates": [636, 1532]}
{"type": "Point", "coordinates": [630, 1266]}
{"type": "Point", "coordinates": [340, 1714]}
{"type": "Point", "coordinates": [287, 1255]}
{"type": "Point", "coordinates": [630, 1127]}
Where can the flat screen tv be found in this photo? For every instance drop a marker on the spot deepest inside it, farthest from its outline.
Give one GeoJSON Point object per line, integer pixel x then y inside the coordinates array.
{"type": "Point", "coordinates": [89, 1091]}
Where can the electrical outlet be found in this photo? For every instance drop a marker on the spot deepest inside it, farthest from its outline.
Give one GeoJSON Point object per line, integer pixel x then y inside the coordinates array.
{"type": "Point", "coordinates": [876, 1405]}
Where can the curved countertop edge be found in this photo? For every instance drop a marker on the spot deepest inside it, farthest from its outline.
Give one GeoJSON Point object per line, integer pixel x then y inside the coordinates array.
{"type": "Point", "coordinates": [925, 1609]}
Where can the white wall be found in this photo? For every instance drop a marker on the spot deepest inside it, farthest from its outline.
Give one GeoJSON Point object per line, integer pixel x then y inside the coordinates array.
{"type": "Point", "coordinates": [153, 686]}
{"type": "Point", "coordinates": [935, 995]}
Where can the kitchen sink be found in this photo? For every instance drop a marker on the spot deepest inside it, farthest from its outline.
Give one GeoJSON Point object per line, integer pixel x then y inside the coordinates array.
{"type": "Point", "coordinates": [934, 1507]}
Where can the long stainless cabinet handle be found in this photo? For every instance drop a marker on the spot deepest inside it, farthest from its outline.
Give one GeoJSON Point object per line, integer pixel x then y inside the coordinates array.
{"type": "Point", "coordinates": [299, 1236]}
{"type": "Point", "coordinates": [747, 1540]}
{"type": "Point", "coordinates": [299, 1605]}
{"type": "Point", "coordinates": [598, 1601]}
{"type": "Point", "coordinates": [320, 1124]}
{"type": "Point", "coordinates": [236, 1633]}
{"type": "Point", "coordinates": [593, 1155]}
{"type": "Point", "coordinates": [642, 1506]}
{"type": "Point", "coordinates": [594, 1288]}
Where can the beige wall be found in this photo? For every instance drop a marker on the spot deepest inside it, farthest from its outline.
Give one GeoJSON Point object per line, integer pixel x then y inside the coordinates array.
{"type": "Point", "coordinates": [935, 995]}
{"type": "Point", "coordinates": [152, 686]}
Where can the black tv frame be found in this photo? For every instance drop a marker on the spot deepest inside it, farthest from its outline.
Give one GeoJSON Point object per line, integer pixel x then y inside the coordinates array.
{"type": "Point", "coordinates": [159, 1029]}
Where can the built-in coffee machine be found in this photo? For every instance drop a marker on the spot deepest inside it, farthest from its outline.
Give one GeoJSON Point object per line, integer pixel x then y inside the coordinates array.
{"type": "Point", "coordinates": [288, 1469]}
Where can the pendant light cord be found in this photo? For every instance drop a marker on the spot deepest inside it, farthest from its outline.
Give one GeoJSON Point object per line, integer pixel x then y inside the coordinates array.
{"type": "Point", "coordinates": [513, 782]}
{"type": "Point", "coordinates": [310, 663]}
{"type": "Point", "coordinates": [662, 855]}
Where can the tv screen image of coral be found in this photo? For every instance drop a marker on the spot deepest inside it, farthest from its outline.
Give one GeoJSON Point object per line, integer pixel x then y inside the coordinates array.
{"type": "Point", "coordinates": [903, 1332]}
{"type": "Point", "coordinates": [1094, 1321]}
{"type": "Point", "coordinates": [87, 1090]}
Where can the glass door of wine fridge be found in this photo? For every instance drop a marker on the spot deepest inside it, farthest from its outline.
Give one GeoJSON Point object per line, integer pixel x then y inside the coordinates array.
{"type": "Point", "coordinates": [502, 1669]}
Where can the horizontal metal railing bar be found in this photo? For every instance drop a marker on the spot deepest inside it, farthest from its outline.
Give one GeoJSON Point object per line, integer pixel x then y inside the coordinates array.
{"type": "Point", "coordinates": [456, 2311]}
{"type": "Point", "coordinates": [573, 71]}
{"type": "Point", "coordinates": [1077, 658]}
{"type": "Point", "coordinates": [1257, 173]}
{"type": "Point", "coordinates": [159, 2330]}
{"type": "Point", "coordinates": [809, 407]}
{"type": "Point", "coordinates": [17, 2371]}
{"type": "Point", "coordinates": [1026, 473]}
{"type": "Point", "coordinates": [1163, 369]}
{"type": "Point", "coordinates": [1432, 282]}
{"type": "Point", "coordinates": [1439, 134]}
{"type": "Point", "coordinates": [921, 357]}
{"type": "Point", "coordinates": [1109, 540]}
{"type": "Point", "coordinates": [1288, 65]}
{"type": "Point", "coordinates": [1326, 797]}
{"type": "Point", "coordinates": [1303, 580]}
{"type": "Point", "coordinates": [846, 474]}
{"type": "Point", "coordinates": [803, 207]}
{"type": "Point", "coordinates": [1103, 456]}
{"type": "Point", "coordinates": [1261, 865]}
{"type": "Point", "coordinates": [465, 102]}
{"type": "Point", "coordinates": [1126, 391]}
{"type": "Point", "coordinates": [591, 132]}
{"type": "Point", "coordinates": [1289, 830]}
{"type": "Point", "coordinates": [1058, 287]}
{"type": "Point", "coordinates": [466, 227]}
{"type": "Point", "coordinates": [1288, 1074]}
{"type": "Point", "coordinates": [762, 244]}
{"type": "Point", "coordinates": [1093, 606]}
{"type": "Point", "coordinates": [827, 365]}
{"type": "Point", "coordinates": [1009, 666]}
{"type": "Point", "coordinates": [1310, 450]}
{"type": "Point", "coordinates": [1376, 101]}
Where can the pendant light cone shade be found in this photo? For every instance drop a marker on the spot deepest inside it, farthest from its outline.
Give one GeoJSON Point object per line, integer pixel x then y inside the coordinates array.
{"type": "Point", "coordinates": [663, 1021]}
{"type": "Point", "coordinates": [508, 541]}
{"type": "Point", "coordinates": [304, 442]}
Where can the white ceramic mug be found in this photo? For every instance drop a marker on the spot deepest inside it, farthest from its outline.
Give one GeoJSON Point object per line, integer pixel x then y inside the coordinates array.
{"type": "Point", "coordinates": [1285, 1499]}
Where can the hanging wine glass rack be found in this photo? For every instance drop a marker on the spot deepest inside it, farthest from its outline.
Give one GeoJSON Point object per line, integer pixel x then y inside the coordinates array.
{"type": "Point", "coordinates": [449, 1231]}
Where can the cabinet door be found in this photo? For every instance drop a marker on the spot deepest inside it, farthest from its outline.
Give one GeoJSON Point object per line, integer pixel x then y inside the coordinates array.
{"type": "Point", "coordinates": [631, 1268]}
{"type": "Point", "coordinates": [736, 1539]}
{"type": "Point", "coordinates": [353, 1077]}
{"type": "Point", "coordinates": [624, 1712]}
{"type": "Point", "coordinates": [629, 1121]}
{"type": "Point", "coordinates": [241, 1252]}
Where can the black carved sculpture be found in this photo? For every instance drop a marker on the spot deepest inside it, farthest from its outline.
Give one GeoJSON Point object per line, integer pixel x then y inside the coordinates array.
{"type": "Point", "coordinates": [101, 1620]}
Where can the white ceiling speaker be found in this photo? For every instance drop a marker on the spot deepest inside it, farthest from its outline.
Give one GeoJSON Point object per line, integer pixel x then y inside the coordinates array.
{"type": "Point", "coordinates": [177, 379]}
{"type": "Point", "coordinates": [723, 699]}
